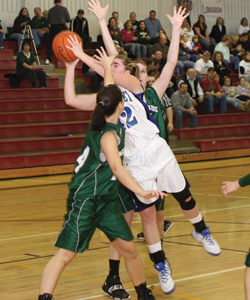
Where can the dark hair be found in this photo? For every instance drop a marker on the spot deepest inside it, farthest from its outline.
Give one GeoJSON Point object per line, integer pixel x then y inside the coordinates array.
{"type": "Point", "coordinates": [210, 69]}
{"type": "Point", "coordinates": [243, 19]}
{"type": "Point", "coordinates": [142, 21]}
{"type": "Point", "coordinates": [26, 42]}
{"type": "Point", "coordinates": [80, 11]}
{"type": "Point", "coordinates": [152, 11]}
{"type": "Point", "coordinates": [21, 11]}
{"type": "Point", "coordinates": [107, 100]}
{"type": "Point", "coordinates": [57, 1]}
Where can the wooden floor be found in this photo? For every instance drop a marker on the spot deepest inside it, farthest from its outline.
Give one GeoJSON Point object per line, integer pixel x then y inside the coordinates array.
{"type": "Point", "coordinates": [32, 216]}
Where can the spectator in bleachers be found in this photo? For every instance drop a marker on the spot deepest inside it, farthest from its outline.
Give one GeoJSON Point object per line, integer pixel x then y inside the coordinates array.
{"type": "Point", "coordinates": [162, 45]}
{"type": "Point", "coordinates": [196, 46]}
{"type": "Point", "coordinates": [115, 35]}
{"type": "Point", "coordinates": [132, 18]}
{"type": "Point", "coordinates": [220, 68]}
{"type": "Point", "coordinates": [218, 31]}
{"type": "Point", "coordinates": [1, 37]}
{"type": "Point", "coordinates": [184, 60]}
{"type": "Point", "coordinates": [130, 40]}
{"type": "Point", "coordinates": [238, 50]}
{"type": "Point", "coordinates": [244, 67]}
{"type": "Point", "coordinates": [19, 26]}
{"type": "Point", "coordinates": [243, 89]}
{"type": "Point", "coordinates": [213, 94]}
{"type": "Point", "coordinates": [231, 94]}
{"type": "Point", "coordinates": [195, 91]}
{"type": "Point", "coordinates": [112, 23]}
{"type": "Point", "coordinates": [186, 28]}
{"type": "Point", "coordinates": [200, 28]}
{"type": "Point", "coordinates": [159, 60]}
{"type": "Point", "coordinates": [143, 37]}
{"type": "Point", "coordinates": [172, 87]}
{"type": "Point", "coordinates": [202, 65]}
{"type": "Point", "coordinates": [154, 26]}
{"type": "Point", "coordinates": [186, 46]}
{"type": "Point", "coordinates": [115, 15]}
{"type": "Point", "coordinates": [244, 40]}
{"type": "Point", "coordinates": [120, 50]}
{"type": "Point", "coordinates": [152, 67]}
{"type": "Point", "coordinates": [26, 66]}
{"type": "Point", "coordinates": [244, 27]}
{"type": "Point", "coordinates": [80, 25]}
{"type": "Point", "coordinates": [58, 17]}
{"type": "Point", "coordinates": [183, 106]}
{"type": "Point", "coordinates": [46, 14]}
{"type": "Point", "coordinates": [229, 59]}
{"type": "Point", "coordinates": [40, 26]}
{"type": "Point", "coordinates": [186, 4]}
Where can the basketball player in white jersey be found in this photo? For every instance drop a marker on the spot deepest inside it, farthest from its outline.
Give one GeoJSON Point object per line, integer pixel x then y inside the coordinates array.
{"type": "Point", "coordinates": [150, 153]}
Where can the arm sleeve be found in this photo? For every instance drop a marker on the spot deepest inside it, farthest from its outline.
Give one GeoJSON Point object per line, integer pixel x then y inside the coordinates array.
{"type": "Point", "coordinates": [244, 181]}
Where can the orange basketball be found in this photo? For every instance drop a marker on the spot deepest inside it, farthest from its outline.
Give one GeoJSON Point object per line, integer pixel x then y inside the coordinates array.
{"type": "Point", "coordinates": [59, 46]}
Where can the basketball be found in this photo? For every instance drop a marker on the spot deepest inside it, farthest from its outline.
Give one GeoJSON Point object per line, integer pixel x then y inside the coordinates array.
{"type": "Point", "coordinates": [59, 45]}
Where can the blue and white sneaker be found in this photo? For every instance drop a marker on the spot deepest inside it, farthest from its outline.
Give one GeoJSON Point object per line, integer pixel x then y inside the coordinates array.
{"type": "Point", "coordinates": [166, 281]}
{"type": "Point", "coordinates": [208, 242]}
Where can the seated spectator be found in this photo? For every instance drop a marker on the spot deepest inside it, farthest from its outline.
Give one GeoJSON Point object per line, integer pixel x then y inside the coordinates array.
{"type": "Point", "coordinates": [162, 45]}
{"type": "Point", "coordinates": [19, 27]}
{"type": "Point", "coordinates": [26, 67]}
{"type": "Point", "coordinates": [143, 38]}
{"type": "Point", "coordinates": [120, 50]}
{"type": "Point", "coordinates": [130, 40]}
{"type": "Point", "coordinates": [186, 46]}
{"type": "Point", "coordinates": [115, 35]}
{"type": "Point", "coordinates": [243, 89]}
{"type": "Point", "coordinates": [244, 67]}
{"type": "Point", "coordinates": [220, 67]}
{"type": "Point", "coordinates": [186, 28]}
{"type": "Point", "coordinates": [1, 37]}
{"type": "Point", "coordinates": [154, 26]}
{"type": "Point", "coordinates": [202, 65]}
{"type": "Point", "coordinates": [231, 94]}
{"type": "Point", "coordinates": [46, 14]}
{"type": "Point", "coordinates": [213, 94]}
{"type": "Point", "coordinates": [172, 87]}
{"type": "Point", "coordinates": [80, 25]}
{"type": "Point", "coordinates": [152, 68]}
{"type": "Point", "coordinates": [218, 31]}
{"type": "Point", "coordinates": [115, 15]}
{"type": "Point", "coordinates": [244, 41]}
{"type": "Point", "coordinates": [238, 51]}
{"type": "Point", "coordinates": [184, 60]}
{"type": "Point", "coordinates": [229, 59]}
{"type": "Point", "coordinates": [195, 91]}
{"type": "Point", "coordinates": [196, 46]}
{"type": "Point", "coordinates": [112, 23]}
{"type": "Point", "coordinates": [132, 18]}
{"type": "Point", "coordinates": [158, 60]}
{"type": "Point", "coordinates": [200, 28]}
{"type": "Point", "coordinates": [244, 27]}
{"type": "Point", "coordinates": [41, 29]}
{"type": "Point", "coordinates": [183, 107]}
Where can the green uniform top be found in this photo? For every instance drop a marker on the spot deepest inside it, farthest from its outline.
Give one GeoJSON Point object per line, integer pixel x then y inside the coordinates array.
{"type": "Point", "coordinates": [22, 58]}
{"type": "Point", "coordinates": [93, 176]}
{"type": "Point", "coordinates": [244, 181]}
{"type": "Point", "coordinates": [156, 109]}
{"type": "Point", "coordinates": [37, 23]}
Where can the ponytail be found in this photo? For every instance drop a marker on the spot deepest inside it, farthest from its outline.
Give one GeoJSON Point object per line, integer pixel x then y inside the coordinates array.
{"type": "Point", "coordinates": [107, 100]}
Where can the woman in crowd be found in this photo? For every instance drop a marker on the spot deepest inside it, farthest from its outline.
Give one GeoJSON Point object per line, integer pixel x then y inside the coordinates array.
{"type": "Point", "coordinates": [244, 67]}
{"type": "Point", "coordinates": [244, 27]}
{"type": "Point", "coordinates": [26, 67]}
{"type": "Point", "coordinates": [143, 37]}
{"type": "Point", "coordinates": [130, 40]}
{"type": "Point", "coordinates": [200, 28]}
{"type": "Point", "coordinates": [218, 31]}
{"type": "Point", "coordinates": [219, 66]}
{"type": "Point", "coordinates": [186, 28]}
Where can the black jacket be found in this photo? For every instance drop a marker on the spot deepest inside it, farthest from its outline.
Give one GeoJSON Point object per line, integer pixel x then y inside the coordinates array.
{"type": "Point", "coordinates": [217, 34]}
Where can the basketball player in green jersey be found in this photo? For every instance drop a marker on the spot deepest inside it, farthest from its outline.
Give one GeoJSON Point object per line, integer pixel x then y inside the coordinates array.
{"type": "Point", "coordinates": [92, 202]}
{"type": "Point", "coordinates": [229, 187]}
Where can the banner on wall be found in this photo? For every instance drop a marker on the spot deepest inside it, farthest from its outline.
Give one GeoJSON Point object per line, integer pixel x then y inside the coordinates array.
{"type": "Point", "coordinates": [212, 7]}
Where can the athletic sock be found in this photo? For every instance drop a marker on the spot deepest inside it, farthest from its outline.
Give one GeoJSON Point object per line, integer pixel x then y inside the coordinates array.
{"type": "Point", "coordinates": [45, 297]}
{"type": "Point", "coordinates": [141, 288]}
{"type": "Point", "coordinates": [157, 257]}
{"type": "Point", "coordinates": [198, 223]}
{"type": "Point", "coordinates": [114, 267]}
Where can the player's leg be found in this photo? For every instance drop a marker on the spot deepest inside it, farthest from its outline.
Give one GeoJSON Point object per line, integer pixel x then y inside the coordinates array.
{"type": "Point", "coordinates": [247, 277]}
{"type": "Point", "coordinates": [52, 272]}
{"type": "Point", "coordinates": [112, 285]}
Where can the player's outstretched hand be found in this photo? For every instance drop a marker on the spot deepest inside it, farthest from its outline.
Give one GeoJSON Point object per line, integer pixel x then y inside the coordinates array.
{"type": "Point", "coordinates": [95, 7]}
{"type": "Point", "coordinates": [75, 46]}
{"type": "Point", "coordinates": [178, 17]}
{"type": "Point", "coordinates": [229, 187]}
{"type": "Point", "coordinates": [153, 193]}
{"type": "Point", "coordinates": [102, 58]}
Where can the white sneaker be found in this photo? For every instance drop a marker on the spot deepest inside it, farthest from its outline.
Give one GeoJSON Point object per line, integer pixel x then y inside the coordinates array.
{"type": "Point", "coordinates": [166, 282]}
{"type": "Point", "coordinates": [208, 242]}
{"type": "Point", "coordinates": [47, 62]}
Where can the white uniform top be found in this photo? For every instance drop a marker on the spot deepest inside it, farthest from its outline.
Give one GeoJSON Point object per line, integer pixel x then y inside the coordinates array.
{"type": "Point", "coordinates": [139, 130]}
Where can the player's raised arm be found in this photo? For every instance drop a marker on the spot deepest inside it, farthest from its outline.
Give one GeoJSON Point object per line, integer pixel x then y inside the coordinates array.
{"type": "Point", "coordinates": [101, 13]}
{"type": "Point", "coordinates": [161, 84]}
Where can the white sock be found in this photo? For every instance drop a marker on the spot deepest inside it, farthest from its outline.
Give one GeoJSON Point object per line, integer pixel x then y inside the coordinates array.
{"type": "Point", "coordinates": [196, 219]}
{"type": "Point", "coordinates": [155, 247]}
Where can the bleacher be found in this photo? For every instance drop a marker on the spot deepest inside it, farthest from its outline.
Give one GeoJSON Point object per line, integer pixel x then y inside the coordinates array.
{"type": "Point", "coordinates": [38, 130]}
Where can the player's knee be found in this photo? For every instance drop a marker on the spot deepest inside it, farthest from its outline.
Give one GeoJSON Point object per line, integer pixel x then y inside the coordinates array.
{"type": "Point", "coordinates": [66, 256]}
{"type": "Point", "coordinates": [185, 199]}
{"type": "Point", "coordinates": [148, 215]}
{"type": "Point", "coordinates": [128, 250]}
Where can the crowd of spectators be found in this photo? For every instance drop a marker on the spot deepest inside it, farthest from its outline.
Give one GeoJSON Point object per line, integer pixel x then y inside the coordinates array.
{"type": "Point", "coordinates": [207, 60]}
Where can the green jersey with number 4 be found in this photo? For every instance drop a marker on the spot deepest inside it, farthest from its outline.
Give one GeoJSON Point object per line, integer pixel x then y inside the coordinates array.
{"type": "Point", "coordinates": [93, 176]}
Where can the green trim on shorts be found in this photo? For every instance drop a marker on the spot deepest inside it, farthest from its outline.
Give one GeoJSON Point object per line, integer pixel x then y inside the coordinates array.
{"type": "Point", "coordinates": [126, 200]}
{"type": "Point", "coordinates": [160, 204]}
{"type": "Point", "coordinates": [87, 214]}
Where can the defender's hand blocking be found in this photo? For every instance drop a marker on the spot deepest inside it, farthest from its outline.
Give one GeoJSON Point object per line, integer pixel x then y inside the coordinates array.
{"type": "Point", "coordinates": [178, 17]}
{"type": "Point", "coordinates": [95, 7]}
{"type": "Point", "coordinates": [103, 59]}
{"type": "Point", "coordinates": [152, 193]}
